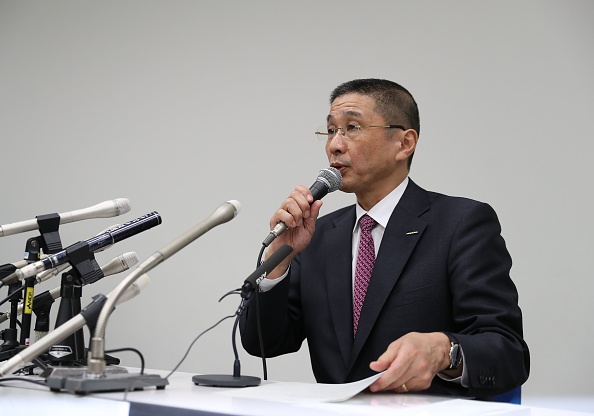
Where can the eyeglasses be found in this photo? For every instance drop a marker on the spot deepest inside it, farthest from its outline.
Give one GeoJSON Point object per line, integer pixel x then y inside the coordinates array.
{"type": "Point", "coordinates": [350, 132]}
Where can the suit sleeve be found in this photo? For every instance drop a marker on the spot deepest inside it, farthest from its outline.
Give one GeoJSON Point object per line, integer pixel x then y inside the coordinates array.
{"type": "Point", "coordinates": [280, 318]}
{"type": "Point", "coordinates": [487, 318]}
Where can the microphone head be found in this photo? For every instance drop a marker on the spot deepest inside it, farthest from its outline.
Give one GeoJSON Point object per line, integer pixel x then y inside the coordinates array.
{"type": "Point", "coordinates": [122, 205]}
{"type": "Point", "coordinates": [130, 259]}
{"type": "Point", "coordinates": [237, 205]}
{"type": "Point", "coordinates": [331, 177]}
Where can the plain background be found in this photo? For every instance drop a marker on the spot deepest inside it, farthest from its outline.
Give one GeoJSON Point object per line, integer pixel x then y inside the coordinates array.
{"type": "Point", "coordinates": [182, 105]}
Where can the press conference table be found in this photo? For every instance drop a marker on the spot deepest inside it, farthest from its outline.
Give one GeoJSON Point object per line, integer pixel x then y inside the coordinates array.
{"type": "Point", "coordinates": [182, 398]}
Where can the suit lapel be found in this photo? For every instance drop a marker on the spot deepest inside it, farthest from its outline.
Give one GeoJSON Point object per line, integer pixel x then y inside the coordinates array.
{"type": "Point", "coordinates": [404, 230]}
{"type": "Point", "coordinates": [339, 282]}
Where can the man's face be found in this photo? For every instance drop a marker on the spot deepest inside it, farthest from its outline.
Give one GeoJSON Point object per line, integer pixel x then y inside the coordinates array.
{"type": "Point", "coordinates": [368, 161]}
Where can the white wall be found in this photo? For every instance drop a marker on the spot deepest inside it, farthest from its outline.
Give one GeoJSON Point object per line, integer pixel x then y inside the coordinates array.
{"type": "Point", "coordinates": [182, 105]}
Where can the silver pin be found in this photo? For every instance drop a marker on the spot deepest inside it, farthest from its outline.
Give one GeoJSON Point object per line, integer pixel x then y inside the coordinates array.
{"type": "Point", "coordinates": [412, 232]}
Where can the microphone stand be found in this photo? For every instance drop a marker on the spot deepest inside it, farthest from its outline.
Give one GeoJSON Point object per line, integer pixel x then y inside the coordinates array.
{"type": "Point", "coordinates": [48, 241]}
{"type": "Point", "coordinates": [71, 351]}
{"type": "Point", "coordinates": [249, 287]}
{"type": "Point", "coordinates": [94, 378]}
{"type": "Point", "coordinates": [235, 380]}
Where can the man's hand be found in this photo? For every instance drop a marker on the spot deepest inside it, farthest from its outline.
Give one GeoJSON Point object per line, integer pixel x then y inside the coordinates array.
{"type": "Point", "coordinates": [300, 218]}
{"type": "Point", "coordinates": [412, 361]}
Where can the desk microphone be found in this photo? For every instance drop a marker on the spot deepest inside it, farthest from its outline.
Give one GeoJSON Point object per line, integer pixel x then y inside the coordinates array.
{"type": "Point", "coordinates": [94, 377]}
{"type": "Point", "coordinates": [250, 284]}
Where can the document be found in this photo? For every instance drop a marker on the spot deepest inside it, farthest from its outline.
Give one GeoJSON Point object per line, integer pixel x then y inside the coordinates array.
{"type": "Point", "coordinates": [294, 392]}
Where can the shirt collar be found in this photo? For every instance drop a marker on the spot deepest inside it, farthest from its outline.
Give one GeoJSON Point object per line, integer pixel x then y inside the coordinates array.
{"type": "Point", "coordinates": [382, 211]}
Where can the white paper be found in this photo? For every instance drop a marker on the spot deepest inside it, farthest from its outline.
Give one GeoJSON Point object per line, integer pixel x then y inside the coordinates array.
{"type": "Point", "coordinates": [294, 392]}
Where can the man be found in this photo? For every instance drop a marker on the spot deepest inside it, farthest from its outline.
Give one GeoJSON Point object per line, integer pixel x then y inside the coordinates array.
{"type": "Point", "coordinates": [424, 296]}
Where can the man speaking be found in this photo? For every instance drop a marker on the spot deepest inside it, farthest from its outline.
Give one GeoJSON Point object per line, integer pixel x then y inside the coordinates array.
{"type": "Point", "coordinates": [406, 281]}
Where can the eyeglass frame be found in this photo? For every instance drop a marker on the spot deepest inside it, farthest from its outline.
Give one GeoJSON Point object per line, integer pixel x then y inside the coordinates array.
{"type": "Point", "coordinates": [357, 127]}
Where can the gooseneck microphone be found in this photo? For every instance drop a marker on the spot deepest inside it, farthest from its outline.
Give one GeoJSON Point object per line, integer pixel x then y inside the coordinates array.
{"type": "Point", "coordinates": [96, 361]}
{"type": "Point", "coordinates": [100, 241]}
{"type": "Point", "coordinates": [104, 209]}
{"type": "Point", "coordinates": [68, 328]}
{"type": "Point", "coordinates": [328, 180]}
{"type": "Point", "coordinates": [252, 281]}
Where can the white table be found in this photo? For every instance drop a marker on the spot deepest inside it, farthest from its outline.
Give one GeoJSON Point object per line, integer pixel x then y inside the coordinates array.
{"type": "Point", "coordinates": [182, 398]}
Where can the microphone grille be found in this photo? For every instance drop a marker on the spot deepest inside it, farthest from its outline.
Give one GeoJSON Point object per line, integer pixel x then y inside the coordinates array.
{"type": "Point", "coordinates": [122, 205]}
{"type": "Point", "coordinates": [331, 177]}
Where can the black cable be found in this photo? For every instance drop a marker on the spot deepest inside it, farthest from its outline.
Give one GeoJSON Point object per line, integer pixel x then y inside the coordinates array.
{"type": "Point", "coordinates": [260, 339]}
{"type": "Point", "coordinates": [193, 342]}
{"type": "Point", "coordinates": [133, 350]}
{"type": "Point", "coordinates": [38, 382]}
{"type": "Point", "coordinates": [6, 299]}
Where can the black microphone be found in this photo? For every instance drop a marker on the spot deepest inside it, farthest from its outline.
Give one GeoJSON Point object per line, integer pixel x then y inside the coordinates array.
{"type": "Point", "coordinates": [328, 180]}
{"type": "Point", "coordinates": [266, 267]}
{"type": "Point", "coordinates": [237, 380]}
{"type": "Point", "coordinates": [106, 239]}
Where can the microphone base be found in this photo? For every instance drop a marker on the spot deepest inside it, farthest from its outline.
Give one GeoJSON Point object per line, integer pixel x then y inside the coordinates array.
{"type": "Point", "coordinates": [223, 380]}
{"type": "Point", "coordinates": [76, 381]}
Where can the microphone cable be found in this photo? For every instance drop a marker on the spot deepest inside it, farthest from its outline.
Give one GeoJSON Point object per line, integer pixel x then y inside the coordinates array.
{"type": "Point", "coordinates": [258, 325]}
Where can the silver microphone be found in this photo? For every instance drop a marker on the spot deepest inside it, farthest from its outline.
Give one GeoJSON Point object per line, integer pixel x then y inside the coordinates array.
{"type": "Point", "coordinates": [104, 209]}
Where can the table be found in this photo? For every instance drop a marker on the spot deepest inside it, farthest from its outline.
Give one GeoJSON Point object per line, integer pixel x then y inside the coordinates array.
{"type": "Point", "coordinates": [182, 398]}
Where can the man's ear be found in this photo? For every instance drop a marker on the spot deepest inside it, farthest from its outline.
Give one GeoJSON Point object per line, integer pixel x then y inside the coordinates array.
{"type": "Point", "coordinates": [408, 144]}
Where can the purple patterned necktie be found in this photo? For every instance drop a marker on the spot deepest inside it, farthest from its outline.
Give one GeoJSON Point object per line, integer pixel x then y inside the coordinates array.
{"type": "Point", "coordinates": [364, 267]}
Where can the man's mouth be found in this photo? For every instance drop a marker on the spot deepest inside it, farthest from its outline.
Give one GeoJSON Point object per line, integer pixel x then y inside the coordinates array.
{"type": "Point", "coordinates": [341, 168]}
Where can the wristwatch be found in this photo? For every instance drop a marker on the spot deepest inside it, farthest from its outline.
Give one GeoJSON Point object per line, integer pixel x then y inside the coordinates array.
{"type": "Point", "coordinates": [455, 353]}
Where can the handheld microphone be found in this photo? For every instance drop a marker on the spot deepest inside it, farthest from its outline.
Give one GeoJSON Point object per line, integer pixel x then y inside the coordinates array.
{"type": "Point", "coordinates": [104, 209]}
{"type": "Point", "coordinates": [328, 180]}
{"type": "Point", "coordinates": [106, 239]}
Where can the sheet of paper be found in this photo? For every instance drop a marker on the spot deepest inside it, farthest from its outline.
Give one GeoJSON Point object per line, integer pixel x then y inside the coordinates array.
{"type": "Point", "coordinates": [294, 392]}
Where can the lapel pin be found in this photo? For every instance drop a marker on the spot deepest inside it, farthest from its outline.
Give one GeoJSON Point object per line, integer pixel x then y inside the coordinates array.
{"type": "Point", "coordinates": [412, 232]}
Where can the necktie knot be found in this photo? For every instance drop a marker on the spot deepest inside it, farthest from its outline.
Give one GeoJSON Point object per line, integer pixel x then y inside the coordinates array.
{"type": "Point", "coordinates": [366, 223]}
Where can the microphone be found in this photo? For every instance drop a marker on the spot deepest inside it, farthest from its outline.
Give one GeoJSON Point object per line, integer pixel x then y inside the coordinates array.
{"type": "Point", "coordinates": [116, 265]}
{"type": "Point", "coordinates": [266, 267]}
{"type": "Point", "coordinates": [224, 213]}
{"type": "Point", "coordinates": [104, 209]}
{"type": "Point", "coordinates": [328, 180]}
{"type": "Point", "coordinates": [237, 380]}
{"type": "Point", "coordinates": [68, 328]}
{"type": "Point", "coordinates": [94, 379]}
{"type": "Point", "coordinates": [106, 239]}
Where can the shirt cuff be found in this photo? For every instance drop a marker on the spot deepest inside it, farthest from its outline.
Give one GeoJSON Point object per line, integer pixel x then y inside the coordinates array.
{"type": "Point", "coordinates": [463, 379]}
{"type": "Point", "coordinates": [267, 284]}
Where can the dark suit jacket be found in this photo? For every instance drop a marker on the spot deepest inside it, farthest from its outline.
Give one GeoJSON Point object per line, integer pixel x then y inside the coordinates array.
{"type": "Point", "coordinates": [442, 266]}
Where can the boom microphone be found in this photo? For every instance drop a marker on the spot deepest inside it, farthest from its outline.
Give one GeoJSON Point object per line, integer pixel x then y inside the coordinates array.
{"type": "Point", "coordinates": [104, 209]}
{"type": "Point", "coordinates": [106, 239]}
{"type": "Point", "coordinates": [328, 180]}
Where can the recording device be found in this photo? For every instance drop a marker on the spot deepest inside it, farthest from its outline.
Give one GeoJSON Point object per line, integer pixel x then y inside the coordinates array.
{"type": "Point", "coordinates": [106, 239]}
{"type": "Point", "coordinates": [104, 209]}
{"type": "Point", "coordinates": [328, 180]}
